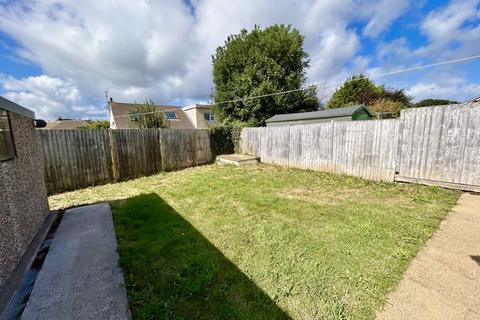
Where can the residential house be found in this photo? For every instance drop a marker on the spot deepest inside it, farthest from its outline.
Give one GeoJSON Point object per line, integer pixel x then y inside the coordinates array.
{"type": "Point", "coordinates": [473, 102]}
{"type": "Point", "coordinates": [200, 115]}
{"type": "Point", "coordinates": [359, 112]}
{"type": "Point", "coordinates": [191, 117]}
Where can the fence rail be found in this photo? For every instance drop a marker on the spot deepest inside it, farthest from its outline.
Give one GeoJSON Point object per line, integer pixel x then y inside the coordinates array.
{"type": "Point", "coordinates": [81, 158]}
{"type": "Point", "coordinates": [363, 148]}
{"type": "Point", "coordinates": [432, 145]}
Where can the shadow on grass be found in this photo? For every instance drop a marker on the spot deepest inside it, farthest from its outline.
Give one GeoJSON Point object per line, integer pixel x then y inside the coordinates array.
{"type": "Point", "coordinates": [173, 272]}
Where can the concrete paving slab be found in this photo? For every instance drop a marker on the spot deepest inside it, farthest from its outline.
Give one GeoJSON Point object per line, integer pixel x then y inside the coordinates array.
{"type": "Point", "coordinates": [438, 277]}
{"type": "Point", "coordinates": [459, 263]}
{"type": "Point", "coordinates": [81, 277]}
{"type": "Point", "coordinates": [421, 303]}
{"type": "Point", "coordinates": [474, 303]}
{"type": "Point", "coordinates": [472, 315]}
{"type": "Point", "coordinates": [456, 246]}
{"type": "Point", "coordinates": [443, 281]}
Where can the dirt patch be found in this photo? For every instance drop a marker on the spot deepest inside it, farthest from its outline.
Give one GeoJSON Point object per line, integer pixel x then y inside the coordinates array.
{"type": "Point", "coordinates": [337, 197]}
{"type": "Point", "coordinates": [311, 196]}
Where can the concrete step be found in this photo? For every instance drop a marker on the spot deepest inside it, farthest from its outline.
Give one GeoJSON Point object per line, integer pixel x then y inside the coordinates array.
{"type": "Point", "coordinates": [237, 159]}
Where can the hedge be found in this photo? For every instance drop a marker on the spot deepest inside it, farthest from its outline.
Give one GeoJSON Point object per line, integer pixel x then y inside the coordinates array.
{"type": "Point", "coordinates": [225, 139]}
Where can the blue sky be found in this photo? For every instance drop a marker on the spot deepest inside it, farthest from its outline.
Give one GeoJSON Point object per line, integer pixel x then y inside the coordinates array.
{"type": "Point", "coordinates": [59, 57]}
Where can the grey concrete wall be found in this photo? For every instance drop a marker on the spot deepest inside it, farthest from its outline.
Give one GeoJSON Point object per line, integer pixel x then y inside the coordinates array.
{"type": "Point", "coordinates": [23, 195]}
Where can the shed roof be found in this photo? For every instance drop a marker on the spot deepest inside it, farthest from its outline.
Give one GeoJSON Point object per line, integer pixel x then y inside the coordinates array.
{"type": "Point", "coordinates": [120, 113]}
{"type": "Point", "coordinates": [330, 113]}
{"type": "Point", "coordinates": [11, 106]}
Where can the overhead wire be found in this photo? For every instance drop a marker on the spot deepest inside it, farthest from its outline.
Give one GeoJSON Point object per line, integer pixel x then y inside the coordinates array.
{"type": "Point", "coordinates": [316, 84]}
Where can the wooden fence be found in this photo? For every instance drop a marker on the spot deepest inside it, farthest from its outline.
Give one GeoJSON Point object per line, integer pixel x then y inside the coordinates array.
{"type": "Point", "coordinates": [441, 146]}
{"type": "Point", "coordinates": [432, 145]}
{"type": "Point", "coordinates": [363, 148]}
{"type": "Point", "coordinates": [80, 158]}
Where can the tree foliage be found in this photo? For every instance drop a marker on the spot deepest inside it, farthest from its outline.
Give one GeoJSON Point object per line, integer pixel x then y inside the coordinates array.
{"type": "Point", "coordinates": [386, 108]}
{"type": "Point", "coordinates": [147, 115]}
{"type": "Point", "coordinates": [355, 90]}
{"type": "Point", "coordinates": [433, 102]}
{"type": "Point", "coordinates": [261, 62]}
{"type": "Point", "coordinates": [95, 124]}
{"type": "Point", "coordinates": [359, 89]}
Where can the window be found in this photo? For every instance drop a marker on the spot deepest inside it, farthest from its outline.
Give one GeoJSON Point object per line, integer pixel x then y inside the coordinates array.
{"type": "Point", "coordinates": [209, 116]}
{"type": "Point", "coordinates": [171, 115]}
{"type": "Point", "coordinates": [7, 150]}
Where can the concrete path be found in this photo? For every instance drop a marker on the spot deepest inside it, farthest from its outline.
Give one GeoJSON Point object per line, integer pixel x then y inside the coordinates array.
{"type": "Point", "coordinates": [443, 281]}
{"type": "Point", "coordinates": [81, 278]}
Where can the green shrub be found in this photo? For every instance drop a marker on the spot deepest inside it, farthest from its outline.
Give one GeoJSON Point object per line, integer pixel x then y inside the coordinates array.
{"type": "Point", "coordinates": [225, 139]}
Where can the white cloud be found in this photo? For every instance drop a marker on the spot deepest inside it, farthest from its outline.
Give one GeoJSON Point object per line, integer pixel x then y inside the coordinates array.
{"type": "Point", "coordinates": [48, 97]}
{"type": "Point", "coordinates": [162, 49]}
{"type": "Point", "coordinates": [452, 30]}
{"type": "Point", "coordinates": [383, 14]}
{"type": "Point", "coordinates": [446, 88]}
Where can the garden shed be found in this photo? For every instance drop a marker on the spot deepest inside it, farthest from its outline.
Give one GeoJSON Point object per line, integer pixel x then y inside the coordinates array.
{"type": "Point", "coordinates": [358, 112]}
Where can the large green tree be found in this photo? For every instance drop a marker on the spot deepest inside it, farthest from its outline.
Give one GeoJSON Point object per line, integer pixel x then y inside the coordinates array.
{"type": "Point", "coordinates": [359, 89]}
{"type": "Point", "coordinates": [261, 62]}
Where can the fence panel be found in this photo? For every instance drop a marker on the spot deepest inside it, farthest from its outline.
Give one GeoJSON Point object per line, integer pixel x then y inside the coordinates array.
{"type": "Point", "coordinates": [250, 141]}
{"type": "Point", "coordinates": [365, 149]}
{"type": "Point", "coordinates": [441, 145]}
{"type": "Point", "coordinates": [80, 158]}
{"type": "Point", "coordinates": [137, 152]}
{"type": "Point", "coordinates": [75, 158]}
{"type": "Point", "coordinates": [202, 149]}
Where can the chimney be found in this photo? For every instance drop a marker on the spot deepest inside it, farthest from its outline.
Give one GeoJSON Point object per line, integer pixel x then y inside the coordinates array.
{"type": "Point", "coordinates": [111, 99]}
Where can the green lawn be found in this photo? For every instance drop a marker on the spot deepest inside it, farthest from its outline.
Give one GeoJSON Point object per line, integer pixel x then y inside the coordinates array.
{"type": "Point", "coordinates": [264, 242]}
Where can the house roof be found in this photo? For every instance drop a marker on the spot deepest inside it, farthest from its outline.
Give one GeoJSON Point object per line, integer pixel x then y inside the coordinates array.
{"type": "Point", "coordinates": [120, 115]}
{"type": "Point", "coordinates": [65, 124]}
{"type": "Point", "coordinates": [473, 101]}
{"type": "Point", "coordinates": [330, 113]}
{"type": "Point", "coordinates": [198, 106]}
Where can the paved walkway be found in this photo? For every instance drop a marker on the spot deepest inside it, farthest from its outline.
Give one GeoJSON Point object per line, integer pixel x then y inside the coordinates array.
{"type": "Point", "coordinates": [81, 278]}
{"type": "Point", "coordinates": [443, 281]}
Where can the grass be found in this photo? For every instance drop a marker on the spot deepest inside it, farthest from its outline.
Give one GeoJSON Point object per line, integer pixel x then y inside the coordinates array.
{"type": "Point", "coordinates": [264, 242]}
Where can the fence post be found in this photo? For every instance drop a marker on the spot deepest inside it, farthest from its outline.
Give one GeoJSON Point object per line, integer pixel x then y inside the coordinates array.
{"type": "Point", "coordinates": [114, 153]}
{"type": "Point", "coordinates": [194, 147]}
{"type": "Point", "coordinates": [398, 154]}
{"type": "Point", "coordinates": [162, 149]}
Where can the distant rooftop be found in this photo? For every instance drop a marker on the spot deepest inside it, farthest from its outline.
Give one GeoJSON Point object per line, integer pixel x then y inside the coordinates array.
{"type": "Point", "coordinates": [473, 101]}
{"type": "Point", "coordinates": [66, 124]}
{"type": "Point", "coordinates": [120, 113]}
{"type": "Point", "coordinates": [197, 105]}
